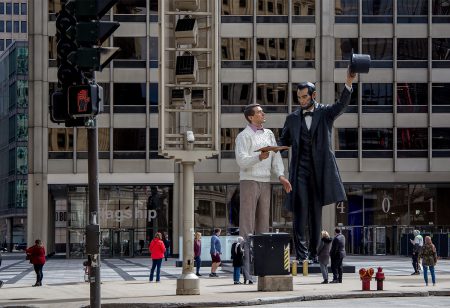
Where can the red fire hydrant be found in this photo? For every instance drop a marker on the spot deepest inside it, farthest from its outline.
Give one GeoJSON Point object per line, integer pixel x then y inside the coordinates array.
{"type": "Point", "coordinates": [379, 277]}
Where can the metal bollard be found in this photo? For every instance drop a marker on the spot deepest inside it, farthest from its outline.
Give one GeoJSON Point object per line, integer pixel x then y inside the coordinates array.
{"type": "Point", "coordinates": [294, 268]}
{"type": "Point", "coordinates": [305, 267]}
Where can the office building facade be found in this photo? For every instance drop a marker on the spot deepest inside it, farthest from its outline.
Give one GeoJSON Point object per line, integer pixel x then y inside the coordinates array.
{"type": "Point", "coordinates": [392, 144]}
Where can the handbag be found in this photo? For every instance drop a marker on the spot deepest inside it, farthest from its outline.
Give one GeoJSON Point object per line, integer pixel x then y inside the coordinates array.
{"type": "Point", "coordinates": [28, 256]}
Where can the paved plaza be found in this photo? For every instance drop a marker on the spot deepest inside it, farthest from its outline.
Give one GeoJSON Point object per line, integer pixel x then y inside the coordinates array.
{"type": "Point", "coordinates": [125, 281]}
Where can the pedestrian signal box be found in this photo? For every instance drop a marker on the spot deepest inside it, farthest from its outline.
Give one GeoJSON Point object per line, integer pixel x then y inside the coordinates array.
{"type": "Point", "coordinates": [85, 100]}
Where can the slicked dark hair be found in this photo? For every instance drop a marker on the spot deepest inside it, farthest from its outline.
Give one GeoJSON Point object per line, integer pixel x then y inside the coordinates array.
{"type": "Point", "coordinates": [250, 111]}
{"type": "Point", "coordinates": [307, 85]}
{"type": "Point", "coordinates": [337, 230]}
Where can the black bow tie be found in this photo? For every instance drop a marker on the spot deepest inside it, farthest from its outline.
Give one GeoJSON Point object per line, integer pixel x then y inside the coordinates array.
{"type": "Point", "coordinates": [308, 113]}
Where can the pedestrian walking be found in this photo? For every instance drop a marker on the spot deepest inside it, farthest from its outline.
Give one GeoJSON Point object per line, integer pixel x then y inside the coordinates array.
{"type": "Point", "coordinates": [215, 251]}
{"type": "Point", "coordinates": [337, 255]}
{"type": "Point", "coordinates": [417, 247]}
{"type": "Point", "coordinates": [157, 250]}
{"type": "Point", "coordinates": [197, 252]}
{"type": "Point", "coordinates": [237, 255]}
{"type": "Point", "coordinates": [323, 253]}
{"type": "Point", "coordinates": [166, 242]}
{"type": "Point", "coordinates": [429, 260]}
{"type": "Point", "coordinates": [36, 255]}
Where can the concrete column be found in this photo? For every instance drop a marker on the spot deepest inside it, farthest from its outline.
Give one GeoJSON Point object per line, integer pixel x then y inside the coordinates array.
{"type": "Point", "coordinates": [37, 122]}
{"type": "Point", "coordinates": [188, 283]}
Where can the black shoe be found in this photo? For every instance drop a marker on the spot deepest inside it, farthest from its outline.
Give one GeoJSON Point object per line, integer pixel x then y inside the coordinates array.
{"type": "Point", "coordinates": [325, 281]}
{"type": "Point", "coordinates": [198, 274]}
{"type": "Point", "coordinates": [250, 282]}
{"type": "Point", "coordinates": [334, 281]}
{"type": "Point", "coordinates": [340, 281]}
{"type": "Point", "coordinates": [1, 283]}
{"type": "Point", "coordinates": [237, 282]}
{"type": "Point", "coordinates": [211, 275]}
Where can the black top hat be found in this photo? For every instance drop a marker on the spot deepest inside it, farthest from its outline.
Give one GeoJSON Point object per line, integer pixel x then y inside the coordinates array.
{"type": "Point", "coordinates": [359, 63]}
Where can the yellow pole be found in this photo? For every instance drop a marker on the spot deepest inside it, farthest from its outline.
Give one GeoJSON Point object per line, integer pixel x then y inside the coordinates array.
{"type": "Point", "coordinates": [305, 268]}
{"type": "Point", "coordinates": [294, 268]}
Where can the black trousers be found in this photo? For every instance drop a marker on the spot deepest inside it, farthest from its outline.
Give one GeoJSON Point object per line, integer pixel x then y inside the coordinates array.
{"type": "Point", "coordinates": [38, 271]}
{"type": "Point", "coordinates": [307, 218]}
{"type": "Point", "coordinates": [336, 267]}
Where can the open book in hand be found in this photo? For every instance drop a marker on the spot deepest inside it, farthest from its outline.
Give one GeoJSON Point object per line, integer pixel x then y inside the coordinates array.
{"type": "Point", "coordinates": [273, 148]}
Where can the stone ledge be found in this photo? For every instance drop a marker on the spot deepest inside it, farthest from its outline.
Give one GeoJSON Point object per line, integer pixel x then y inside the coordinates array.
{"type": "Point", "coordinates": [275, 283]}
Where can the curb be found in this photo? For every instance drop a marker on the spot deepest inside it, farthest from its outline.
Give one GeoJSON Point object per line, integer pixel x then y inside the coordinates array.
{"type": "Point", "coordinates": [278, 300]}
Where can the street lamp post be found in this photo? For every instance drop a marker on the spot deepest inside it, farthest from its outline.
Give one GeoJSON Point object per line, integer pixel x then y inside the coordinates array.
{"type": "Point", "coordinates": [188, 103]}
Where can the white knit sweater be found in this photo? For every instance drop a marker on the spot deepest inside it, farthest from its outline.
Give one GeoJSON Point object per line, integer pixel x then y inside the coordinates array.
{"type": "Point", "coordinates": [247, 142]}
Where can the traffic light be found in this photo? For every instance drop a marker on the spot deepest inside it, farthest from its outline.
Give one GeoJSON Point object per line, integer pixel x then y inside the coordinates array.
{"type": "Point", "coordinates": [90, 32]}
{"type": "Point", "coordinates": [68, 74]}
{"type": "Point", "coordinates": [85, 100]}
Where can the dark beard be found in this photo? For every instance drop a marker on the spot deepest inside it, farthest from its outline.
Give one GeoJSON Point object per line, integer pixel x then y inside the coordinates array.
{"type": "Point", "coordinates": [309, 106]}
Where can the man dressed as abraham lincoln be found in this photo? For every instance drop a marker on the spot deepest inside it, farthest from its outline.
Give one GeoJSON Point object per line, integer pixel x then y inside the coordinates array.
{"type": "Point", "coordinates": [313, 172]}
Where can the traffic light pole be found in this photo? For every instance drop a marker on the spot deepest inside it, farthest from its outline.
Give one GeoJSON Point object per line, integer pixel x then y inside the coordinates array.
{"type": "Point", "coordinates": [94, 238]}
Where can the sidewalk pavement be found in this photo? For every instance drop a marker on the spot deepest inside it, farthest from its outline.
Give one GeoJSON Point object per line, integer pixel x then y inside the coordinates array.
{"type": "Point", "coordinates": [215, 292]}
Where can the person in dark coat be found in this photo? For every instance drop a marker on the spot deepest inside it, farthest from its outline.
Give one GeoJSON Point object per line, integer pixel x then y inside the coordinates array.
{"type": "Point", "coordinates": [313, 172]}
{"type": "Point", "coordinates": [237, 255]}
{"type": "Point", "coordinates": [36, 254]}
{"type": "Point", "coordinates": [323, 253]}
{"type": "Point", "coordinates": [337, 254]}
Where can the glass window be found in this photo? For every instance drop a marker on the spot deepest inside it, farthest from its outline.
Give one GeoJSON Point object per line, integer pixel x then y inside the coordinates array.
{"type": "Point", "coordinates": [2, 8]}
{"type": "Point", "coordinates": [8, 26]}
{"type": "Point", "coordinates": [346, 11]}
{"type": "Point", "coordinates": [377, 142]}
{"type": "Point", "coordinates": [237, 49]}
{"type": "Point", "coordinates": [412, 52]}
{"type": "Point", "coordinates": [8, 8]}
{"type": "Point", "coordinates": [23, 9]}
{"type": "Point", "coordinates": [228, 137]}
{"type": "Point", "coordinates": [441, 7]}
{"type": "Point", "coordinates": [129, 97]}
{"type": "Point", "coordinates": [269, 95]}
{"type": "Point", "coordinates": [244, 7]}
{"type": "Point", "coordinates": [2, 44]}
{"type": "Point", "coordinates": [441, 94]}
{"type": "Point", "coordinates": [303, 7]}
{"type": "Point", "coordinates": [54, 6]}
{"type": "Point", "coordinates": [271, 49]}
{"type": "Point", "coordinates": [343, 51]}
{"type": "Point", "coordinates": [346, 142]}
{"type": "Point", "coordinates": [271, 7]}
{"type": "Point", "coordinates": [385, 205]}
{"type": "Point", "coordinates": [412, 7]}
{"type": "Point", "coordinates": [60, 140]}
{"type": "Point", "coordinates": [440, 49]}
{"type": "Point", "coordinates": [210, 208]}
{"type": "Point", "coordinates": [425, 203]}
{"type": "Point", "coordinates": [133, 8]}
{"type": "Point", "coordinates": [377, 7]}
{"type": "Point", "coordinates": [103, 140]}
{"type": "Point", "coordinates": [412, 97]}
{"type": "Point", "coordinates": [303, 52]}
{"type": "Point", "coordinates": [441, 138]}
{"type": "Point", "coordinates": [16, 27]}
{"type": "Point", "coordinates": [338, 88]}
{"type": "Point", "coordinates": [128, 141]}
{"type": "Point", "coordinates": [239, 94]}
{"type": "Point", "coordinates": [16, 9]}
{"type": "Point", "coordinates": [351, 211]}
{"type": "Point", "coordinates": [378, 48]}
{"type": "Point", "coordinates": [377, 97]}
{"type": "Point", "coordinates": [22, 127]}
{"type": "Point", "coordinates": [23, 27]}
{"type": "Point", "coordinates": [2, 26]}
{"type": "Point", "coordinates": [133, 52]}
{"type": "Point", "coordinates": [412, 142]}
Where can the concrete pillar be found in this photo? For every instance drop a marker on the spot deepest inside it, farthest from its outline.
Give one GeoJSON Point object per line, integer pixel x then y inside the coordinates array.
{"type": "Point", "coordinates": [37, 122]}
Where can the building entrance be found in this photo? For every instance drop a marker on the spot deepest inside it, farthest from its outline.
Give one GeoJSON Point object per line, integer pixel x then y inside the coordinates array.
{"type": "Point", "coordinates": [117, 243]}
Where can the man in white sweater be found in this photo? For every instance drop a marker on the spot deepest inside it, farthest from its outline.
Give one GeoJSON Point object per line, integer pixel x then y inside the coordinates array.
{"type": "Point", "coordinates": [256, 168]}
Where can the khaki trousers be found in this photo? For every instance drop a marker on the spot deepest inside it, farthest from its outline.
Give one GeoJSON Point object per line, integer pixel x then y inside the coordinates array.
{"type": "Point", "coordinates": [254, 215]}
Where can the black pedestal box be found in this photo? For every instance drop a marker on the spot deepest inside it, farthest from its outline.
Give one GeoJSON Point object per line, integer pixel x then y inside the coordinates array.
{"type": "Point", "coordinates": [270, 254]}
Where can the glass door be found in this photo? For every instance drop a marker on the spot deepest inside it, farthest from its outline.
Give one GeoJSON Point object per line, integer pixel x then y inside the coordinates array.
{"type": "Point", "coordinates": [122, 243]}
{"type": "Point", "coordinates": [380, 241]}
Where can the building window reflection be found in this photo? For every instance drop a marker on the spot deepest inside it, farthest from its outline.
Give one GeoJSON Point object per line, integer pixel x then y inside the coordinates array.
{"type": "Point", "coordinates": [346, 142]}
{"type": "Point", "coordinates": [440, 93]}
{"type": "Point", "coordinates": [377, 98]}
{"type": "Point", "coordinates": [338, 88]}
{"type": "Point", "coordinates": [303, 53]}
{"type": "Point", "coordinates": [412, 52]}
{"type": "Point", "coordinates": [380, 51]}
{"type": "Point", "coordinates": [346, 11]}
{"type": "Point", "coordinates": [412, 11]}
{"type": "Point", "coordinates": [412, 97]}
{"type": "Point", "coordinates": [441, 141]}
{"type": "Point", "coordinates": [129, 143]}
{"type": "Point", "coordinates": [272, 96]}
{"type": "Point", "coordinates": [377, 142]}
{"type": "Point", "coordinates": [60, 143]}
{"type": "Point", "coordinates": [103, 143]}
{"type": "Point", "coordinates": [440, 50]}
{"type": "Point", "coordinates": [133, 52]}
{"type": "Point", "coordinates": [343, 51]}
{"type": "Point", "coordinates": [129, 97]}
{"type": "Point", "coordinates": [412, 142]}
{"type": "Point", "coordinates": [377, 11]}
{"type": "Point", "coordinates": [235, 96]}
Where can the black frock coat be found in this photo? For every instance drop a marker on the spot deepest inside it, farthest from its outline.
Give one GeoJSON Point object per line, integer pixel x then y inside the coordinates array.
{"type": "Point", "coordinates": [328, 180]}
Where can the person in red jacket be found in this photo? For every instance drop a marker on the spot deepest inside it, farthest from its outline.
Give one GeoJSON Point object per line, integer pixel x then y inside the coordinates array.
{"type": "Point", "coordinates": [157, 250]}
{"type": "Point", "coordinates": [37, 258]}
